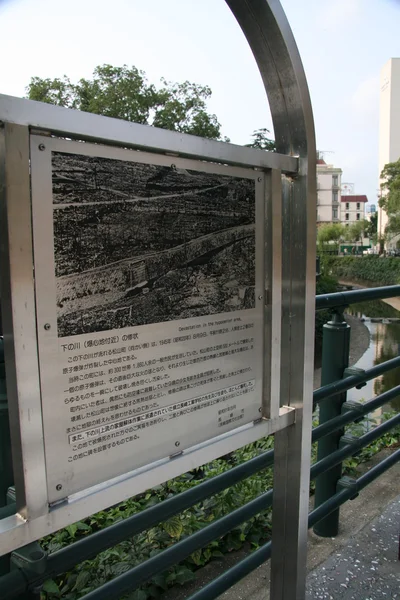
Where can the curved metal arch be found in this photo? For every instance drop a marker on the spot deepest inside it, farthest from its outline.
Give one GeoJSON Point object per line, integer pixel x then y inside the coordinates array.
{"type": "Point", "coordinates": [271, 40]}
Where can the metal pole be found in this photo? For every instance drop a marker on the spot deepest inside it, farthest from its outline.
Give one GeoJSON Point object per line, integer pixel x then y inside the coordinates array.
{"type": "Point", "coordinates": [269, 36]}
{"type": "Point", "coordinates": [335, 359]}
{"type": "Point", "coordinates": [6, 472]}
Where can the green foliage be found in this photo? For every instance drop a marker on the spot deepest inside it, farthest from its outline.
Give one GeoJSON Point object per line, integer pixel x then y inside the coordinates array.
{"type": "Point", "coordinates": [261, 140]}
{"type": "Point", "coordinates": [390, 200]}
{"type": "Point", "coordinates": [356, 231]}
{"type": "Point", "coordinates": [374, 308]}
{"type": "Point", "coordinates": [51, 588]}
{"type": "Point", "coordinates": [326, 284]}
{"type": "Point", "coordinates": [369, 269]}
{"type": "Point", "coordinates": [330, 232]}
{"type": "Point", "coordinates": [371, 229]}
{"type": "Point", "coordinates": [124, 93]}
{"type": "Point", "coordinates": [115, 561]}
{"type": "Point", "coordinates": [388, 440]}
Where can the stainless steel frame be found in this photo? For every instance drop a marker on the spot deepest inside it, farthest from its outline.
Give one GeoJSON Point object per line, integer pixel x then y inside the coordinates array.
{"type": "Point", "coordinates": [19, 326]}
{"type": "Point", "coordinates": [86, 126]}
{"type": "Point", "coordinates": [36, 517]}
{"type": "Point", "coordinates": [268, 33]}
{"type": "Point", "coordinates": [289, 298]}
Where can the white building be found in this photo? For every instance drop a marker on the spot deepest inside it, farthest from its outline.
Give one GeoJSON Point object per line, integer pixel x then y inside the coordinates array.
{"type": "Point", "coordinates": [389, 126]}
{"type": "Point", "coordinates": [352, 208]}
{"type": "Point", "coordinates": [329, 181]}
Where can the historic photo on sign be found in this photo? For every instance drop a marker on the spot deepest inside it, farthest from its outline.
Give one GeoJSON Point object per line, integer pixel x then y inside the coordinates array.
{"type": "Point", "coordinates": [136, 243]}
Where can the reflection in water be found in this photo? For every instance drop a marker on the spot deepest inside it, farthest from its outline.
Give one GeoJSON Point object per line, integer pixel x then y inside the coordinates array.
{"type": "Point", "coordinates": [384, 345]}
{"type": "Point", "coordinates": [386, 339]}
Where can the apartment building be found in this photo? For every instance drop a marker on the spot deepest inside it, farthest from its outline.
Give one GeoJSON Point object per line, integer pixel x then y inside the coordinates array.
{"type": "Point", "coordinates": [329, 181]}
{"type": "Point", "coordinates": [389, 129]}
{"type": "Point", "coordinates": [352, 208]}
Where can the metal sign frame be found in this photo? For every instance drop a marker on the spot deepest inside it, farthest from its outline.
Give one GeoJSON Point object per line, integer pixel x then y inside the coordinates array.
{"type": "Point", "coordinates": [36, 515]}
{"type": "Point", "coordinates": [290, 194]}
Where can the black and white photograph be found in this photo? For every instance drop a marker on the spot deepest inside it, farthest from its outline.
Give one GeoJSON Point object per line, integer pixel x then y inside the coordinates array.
{"type": "Point", "coordinates": [139, 243]}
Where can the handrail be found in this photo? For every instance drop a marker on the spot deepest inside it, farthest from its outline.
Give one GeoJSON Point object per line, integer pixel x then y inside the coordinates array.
{"type": "Point", "coordinates": [225, 581]}
{"type": "Point", "coordinates": [354, 414]}
{"type": "Point", "coordinates": [342, 385]}
{"type": "Point", "coordinates": [343, 299]}
{"type": "Point", "coordinates": [132, 579]}
{"type": "Point", "coordinates": [349, 449]}
{"type": "Point", "coordinates": [90, 546]}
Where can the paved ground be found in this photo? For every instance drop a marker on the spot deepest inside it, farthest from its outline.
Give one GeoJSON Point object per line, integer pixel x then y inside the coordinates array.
{"type": "Point", "coordinates": [367, 568]}
{"type": "Point", "coordinates": [358, 518]}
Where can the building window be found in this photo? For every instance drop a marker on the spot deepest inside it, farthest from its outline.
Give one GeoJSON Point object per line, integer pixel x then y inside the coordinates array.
{"type": "Point", "coordinates": [347, 205]}
{"type": "Point", "coordinates": [334, 196]}
{"type": "Point", "coordinates": [358, 206]}
{"type": "Point", "coordinates": [358, 216]}
{"type": "Point", "coordinates": [334, 213]}
{"type": "Point", "coordinates": [335, 180]}
{"type": "Point", "coordinates": [347, 216]}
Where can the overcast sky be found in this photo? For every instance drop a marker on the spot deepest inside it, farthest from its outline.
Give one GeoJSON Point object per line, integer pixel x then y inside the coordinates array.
{"type": "Point", "coordinates": [343, 44]}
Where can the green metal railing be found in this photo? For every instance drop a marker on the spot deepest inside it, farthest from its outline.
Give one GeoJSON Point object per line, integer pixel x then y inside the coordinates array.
{"type": "Point", "coordinates": [332, 490]}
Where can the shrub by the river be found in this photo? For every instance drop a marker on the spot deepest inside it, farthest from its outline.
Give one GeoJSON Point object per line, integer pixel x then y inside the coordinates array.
{"type": "Point", "coordinates": [368, 269]}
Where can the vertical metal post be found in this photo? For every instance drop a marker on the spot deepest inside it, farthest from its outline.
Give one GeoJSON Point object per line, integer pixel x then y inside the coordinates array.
{"type": "Point", "coordinates": [268, 33]}
{"type": "Point", "coordinates": [335, 359]}
{"type": "Point", "coordinates": [6, 471]}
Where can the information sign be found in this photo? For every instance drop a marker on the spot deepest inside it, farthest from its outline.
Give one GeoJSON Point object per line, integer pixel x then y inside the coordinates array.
{"type": "Point", "coordinates": [149, 300]}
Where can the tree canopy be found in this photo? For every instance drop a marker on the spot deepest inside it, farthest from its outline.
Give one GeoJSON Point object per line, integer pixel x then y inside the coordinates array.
{"type": "Point", "coordinates": [356, 231]}
{"type": "Point", "coordinates": [390, 200]}
{"type": "Point", "coordinates": [330, 232]}
{"type": "Point", "coordinates": [261, 140]}
{"type": "Point", "coordinates": [124, 93]}
{"type": "Point", "coordinates": [371, 230]}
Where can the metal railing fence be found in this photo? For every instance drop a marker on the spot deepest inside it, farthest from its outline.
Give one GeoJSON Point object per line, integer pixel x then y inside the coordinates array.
{"type": "Point", "coordinates": [332, 490]}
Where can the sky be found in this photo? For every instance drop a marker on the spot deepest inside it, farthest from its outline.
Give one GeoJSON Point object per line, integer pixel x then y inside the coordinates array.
{"type": "Point", "coordinates": [343, 45]}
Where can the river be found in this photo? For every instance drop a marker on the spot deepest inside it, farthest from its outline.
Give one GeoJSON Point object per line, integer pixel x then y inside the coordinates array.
{"type": "Point", "coordinates": [383, 323]}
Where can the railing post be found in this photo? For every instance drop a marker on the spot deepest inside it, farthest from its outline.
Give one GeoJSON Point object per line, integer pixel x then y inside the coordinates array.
{"type": "Point", "coordinates": [335, 359]}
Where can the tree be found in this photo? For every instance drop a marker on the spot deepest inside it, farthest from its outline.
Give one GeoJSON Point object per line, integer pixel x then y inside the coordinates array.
{"type": "Point", "coordinates": [330, 232]}
{"type": "Point", "coordinates": [356, 231]}
{"type": "Point", "coordinates": [124, 93]}
{"type": "Point", "coordinates": [261, 140]}
{"type": "Point", "coordinates": [390, 199]}
{"type": "Point", "coordinates": [371, 230]}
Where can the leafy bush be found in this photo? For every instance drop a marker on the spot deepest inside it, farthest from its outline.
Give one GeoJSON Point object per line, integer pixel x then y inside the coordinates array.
{"type": "Point", "coordinates": [113, 562]}
{"type": "Point", "coordinates": [369, 269]}
{"type": "Point", "coordinates": [92, 573]}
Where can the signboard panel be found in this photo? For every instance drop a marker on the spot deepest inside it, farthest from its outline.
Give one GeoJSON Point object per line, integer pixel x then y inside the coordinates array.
{"type": "Point", "coordinates": [149, 280]}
